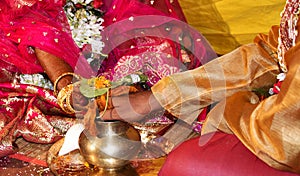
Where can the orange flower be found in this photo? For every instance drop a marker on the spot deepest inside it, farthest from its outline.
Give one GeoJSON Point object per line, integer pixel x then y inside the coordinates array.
{"type": "Point", "coordinates": [101, 82]}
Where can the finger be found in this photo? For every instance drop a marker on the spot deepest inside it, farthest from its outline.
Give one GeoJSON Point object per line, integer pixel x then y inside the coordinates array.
{"type": "Point", "coordinates": [110, 103]}
{"type": "Point", "coordinates": [103, 104]}
{"type": "Point", "coordinates": [79, 99]}
{"type": "Point", "coordinates": [102, 101]}
{"type": "Point", "coordinates": [110, 114]}
{"type": "Point", "coordinates": [122, 90]}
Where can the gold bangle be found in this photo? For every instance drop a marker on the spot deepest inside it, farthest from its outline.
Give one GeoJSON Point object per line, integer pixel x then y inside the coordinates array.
{"type": "Point", "coordinates": [68, 103]}
{"type": "Point", "coordinates": [62, 99]}
{"type": "Point", "coordinates": [60, 77]}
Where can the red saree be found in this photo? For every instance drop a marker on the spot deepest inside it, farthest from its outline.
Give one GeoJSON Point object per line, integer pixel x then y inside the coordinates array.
{"type": "Point", "coordinates": [37, 24]}
{"type": "Point", "coordinates": [29, 111]}
{"type": "Point", "coordinates": [151, 37]}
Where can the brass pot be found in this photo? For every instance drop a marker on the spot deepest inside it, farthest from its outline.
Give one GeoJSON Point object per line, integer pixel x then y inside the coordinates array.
{"type": "Point", "coordinates": [115, 144]}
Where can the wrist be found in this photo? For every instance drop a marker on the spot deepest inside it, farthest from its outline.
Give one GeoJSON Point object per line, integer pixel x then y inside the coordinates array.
{"type": "Point", "coordinates": [154, 103]}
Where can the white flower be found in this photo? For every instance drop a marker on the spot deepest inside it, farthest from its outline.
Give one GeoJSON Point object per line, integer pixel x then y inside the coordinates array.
{"type": "Point", "coordinates": [281, 76]}
{"type": "Point", "coordinates": [78, 1]}
{"type": "Point", "coordinates": [85, 25]}
{"type": "Point", "coordinates": [88, 1]}
{"type": "Point", "coordinates": [36, 79]}
{"type": "Point", "coordinates": [271, 91]}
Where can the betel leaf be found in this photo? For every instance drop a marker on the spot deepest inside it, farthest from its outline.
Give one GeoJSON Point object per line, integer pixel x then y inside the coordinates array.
{"type": "Point", "coordinates": [90, 91]}
{"type": "Point", "coordinates": [143, 77]}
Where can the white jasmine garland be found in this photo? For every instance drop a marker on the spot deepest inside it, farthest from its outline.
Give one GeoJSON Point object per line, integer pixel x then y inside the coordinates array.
{"type": "Point", "coordinates": [81, 1]}
{"type": "Point", "coordinates": [281, 76]}
{"type": "Point", "coordinates": [36, 79]}
{"type": "Point", "coordinates": [86, 26]}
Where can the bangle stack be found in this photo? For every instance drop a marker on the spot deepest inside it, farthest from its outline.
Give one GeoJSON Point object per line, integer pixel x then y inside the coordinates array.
{"type": "Point", "coordinates": [64, 95]}
{"type": "Point", "coordinates": [60, 77]}
{"type": "Point", "coordinates": [63, 99]}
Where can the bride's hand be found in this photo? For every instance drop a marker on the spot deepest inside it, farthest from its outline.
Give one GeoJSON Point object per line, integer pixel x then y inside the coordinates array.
{"type": "Point", "coordinates": [131, 107]}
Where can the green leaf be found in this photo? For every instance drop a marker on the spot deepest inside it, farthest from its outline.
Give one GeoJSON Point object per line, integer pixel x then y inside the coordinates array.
{"type": "Point", "coordinates": [143, 77]}
{"type": "Point", "coordinates": [90, 91]}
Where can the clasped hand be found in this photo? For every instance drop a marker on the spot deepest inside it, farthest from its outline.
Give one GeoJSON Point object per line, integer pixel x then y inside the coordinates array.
{"type": "Point", "coordinates": [130, 107]}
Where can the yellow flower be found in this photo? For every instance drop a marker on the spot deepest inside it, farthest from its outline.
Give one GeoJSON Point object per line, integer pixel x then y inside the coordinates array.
{"type": "Point", "coordinates": [101, 82]}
